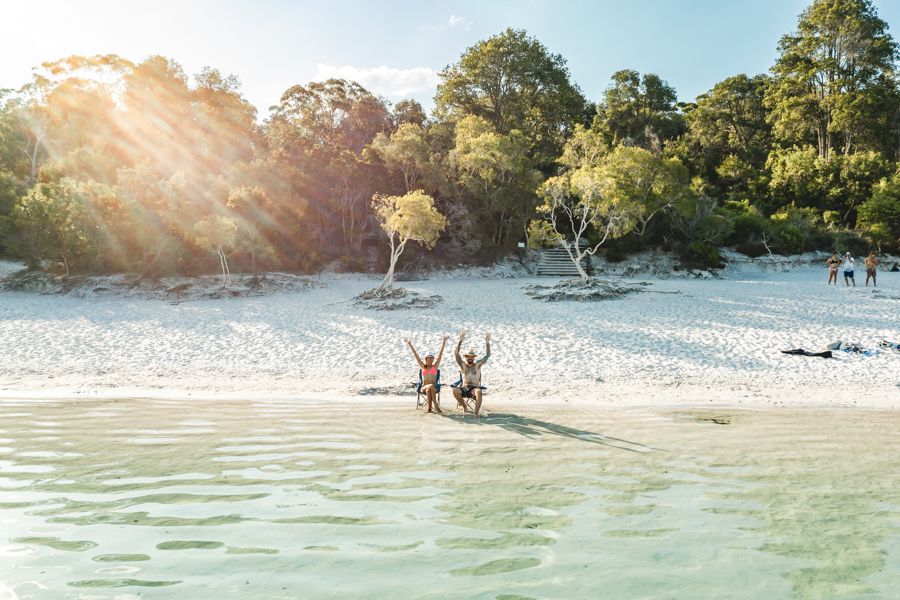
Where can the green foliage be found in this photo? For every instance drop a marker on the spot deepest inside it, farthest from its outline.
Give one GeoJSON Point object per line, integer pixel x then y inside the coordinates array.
{"type": "Point", "coordinates": [641, 182]}
{"type": "Point", "coordinates": [701, 255]}
{"type": "Point", "coordinates": [730, 121]}
{"type": "Point", "coordinates": [53, 224]}
{"type": "Point", "coordinates": [751, 231]}
{"type": "Point", "coordinates": [542, 235]}
{"type": "Point", "coordinates": [697, 219]}
{"type": "Point", "coordinates": [495, 171]}
{"type": "Point", "coordinates": [639, 110]}
{"type": "Point", "coordinates": [406, 151]}
{"type": "Point", "coordinates": [833, 81]}
{"type": "Point", "coordinates": [110, 165]}
{"type": "Point", "coordinates": [789, 238]}
{"type": "Point", "coordinates": [411, 216]}
{"type": "Point", "coordinates": [585, 148]}
{"type": "Point", "coordinates": [879, 217]}
{"type": "Point", "coordinates": [409, 112]}
{"type": "Point", "coordinates": [352, 263]}
{"type": "Point", "coordinates": [839, 183]}
{"type": "Point", "coordinates": [513, 81]}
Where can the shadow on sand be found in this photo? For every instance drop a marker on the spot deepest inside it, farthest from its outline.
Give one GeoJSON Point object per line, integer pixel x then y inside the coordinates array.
{"type": "Point", "coordinates": [534, 428]}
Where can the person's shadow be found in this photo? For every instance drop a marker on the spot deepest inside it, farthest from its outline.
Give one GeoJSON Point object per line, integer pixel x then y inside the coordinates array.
{"type": "Point", "coordinates": [533, 428]}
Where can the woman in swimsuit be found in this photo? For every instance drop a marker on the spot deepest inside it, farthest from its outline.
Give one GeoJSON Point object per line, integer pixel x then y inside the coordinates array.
{"type": "Point", "coordinates": [833, 264]}
{"type": "Point", "coordinates": [429, 370]}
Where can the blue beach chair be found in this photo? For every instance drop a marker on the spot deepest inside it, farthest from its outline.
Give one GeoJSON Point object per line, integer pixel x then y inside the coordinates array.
{"type": "Point", "coordinates": [421, 399]}
{"type": "Point", "coordinates": [467, 392]}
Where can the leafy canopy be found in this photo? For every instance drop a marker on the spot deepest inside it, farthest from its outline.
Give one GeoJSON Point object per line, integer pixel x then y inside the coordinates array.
{"type": "Point", "coordinates": [411, 216]}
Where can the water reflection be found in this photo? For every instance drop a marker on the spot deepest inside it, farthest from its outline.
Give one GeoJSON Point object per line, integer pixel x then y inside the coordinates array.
{"type": "Point", "coordinates": [274, 499]}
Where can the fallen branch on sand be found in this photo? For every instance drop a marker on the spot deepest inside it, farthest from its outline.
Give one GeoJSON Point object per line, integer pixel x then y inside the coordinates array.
{"type": "Point", "coordinates": [583, 291]}
{"type": "Point", "coordinates": [394, 299]}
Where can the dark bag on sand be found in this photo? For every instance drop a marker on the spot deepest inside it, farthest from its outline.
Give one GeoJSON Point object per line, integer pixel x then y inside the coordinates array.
{"type": "Point", "coordinates": [802, 352]}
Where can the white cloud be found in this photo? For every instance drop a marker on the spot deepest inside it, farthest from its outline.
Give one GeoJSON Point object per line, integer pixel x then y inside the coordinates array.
{"type": "Point", "coordinates": [452, 23]}
{"type": "Point", "coordinates": [457, 21]}
{"type": "Point", "coordinates": [390, 82]}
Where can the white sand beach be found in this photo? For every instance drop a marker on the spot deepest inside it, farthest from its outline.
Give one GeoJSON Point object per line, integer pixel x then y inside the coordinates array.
{"type": "Point", "coordinates": [682, 341]}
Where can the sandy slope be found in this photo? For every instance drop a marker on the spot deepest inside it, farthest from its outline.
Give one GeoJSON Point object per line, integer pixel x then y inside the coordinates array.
{"type": "Point", "coordinates": [684, 341]}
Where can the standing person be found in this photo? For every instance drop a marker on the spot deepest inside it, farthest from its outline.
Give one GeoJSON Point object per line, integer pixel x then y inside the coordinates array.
{"type": "Point", "coordinates": [429, 370]}
{"type": "Point", "coordinates": [871, 268]}
{"type": "Point", "coordinates": [848, 270]}
{"type": "Point", "coordinates": [470, 373]}
{"type": "Point", "coordinates": [833, 263]}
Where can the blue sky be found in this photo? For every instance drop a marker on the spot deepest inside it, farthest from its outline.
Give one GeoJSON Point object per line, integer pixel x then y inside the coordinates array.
{"type": "Point", "coordinates": [396, 48]}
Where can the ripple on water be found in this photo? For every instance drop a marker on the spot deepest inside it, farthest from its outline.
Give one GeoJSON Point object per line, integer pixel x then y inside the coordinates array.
{"type": "Point", "coordinates": [57, 543]}
{"type": "Point", "coordinates": [250, 550]}
{"type": "Point", "coordinates": [120, 558]}
{"type": "Point", "coordinates": [118, 583]}
{"type": "Point", "coordinates": [189, 545]}
{"type": "Point", "coordinates": [503, 565]}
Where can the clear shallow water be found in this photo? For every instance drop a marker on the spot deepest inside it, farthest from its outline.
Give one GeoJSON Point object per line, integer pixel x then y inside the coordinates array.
{"type": "Point", "coordinates": [264, 499]}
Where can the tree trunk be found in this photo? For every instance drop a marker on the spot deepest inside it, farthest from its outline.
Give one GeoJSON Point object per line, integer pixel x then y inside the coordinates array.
{"type": "Point", "coordinates": [396, 251]}
{"type": "Point", "coordinates": [581, 272]}
{"type": "Point", "coordinates": [576, 257]}
{"type": "Point", "coordinates": [221, 254]}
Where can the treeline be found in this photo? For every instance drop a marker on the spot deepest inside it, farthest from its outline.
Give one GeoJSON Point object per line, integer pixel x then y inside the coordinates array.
{"type": "Point", "coordinates": [109, 165]}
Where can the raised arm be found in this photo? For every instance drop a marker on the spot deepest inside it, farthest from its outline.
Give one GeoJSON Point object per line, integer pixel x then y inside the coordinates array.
{"type": "Point", "coordinates": [416, 354]}
{"type": "Point", "coordinates": [437, 361]}
{"type": "Point", "coordinates": [459, 360]}
{"type": "Point", "coordinates": [487, 351]}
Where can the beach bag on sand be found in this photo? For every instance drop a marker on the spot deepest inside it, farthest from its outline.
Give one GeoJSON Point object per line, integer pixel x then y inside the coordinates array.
{"type": "Point", "coordinates": [854, 347]}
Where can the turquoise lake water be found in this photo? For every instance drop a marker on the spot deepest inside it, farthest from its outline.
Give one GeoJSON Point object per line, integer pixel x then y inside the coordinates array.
{"type": "Point", "coordinates": [271, 499]}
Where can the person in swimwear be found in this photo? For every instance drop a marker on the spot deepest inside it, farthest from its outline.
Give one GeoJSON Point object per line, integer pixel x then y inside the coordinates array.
{"type": "Point", "coordinates": [833, 263]}
{"type": "Point", "coordinates": [470, 373]}
{"type": "Point", "coordinates": [871, 268]}
{"type": "Point", "coordinates": [429, 369]}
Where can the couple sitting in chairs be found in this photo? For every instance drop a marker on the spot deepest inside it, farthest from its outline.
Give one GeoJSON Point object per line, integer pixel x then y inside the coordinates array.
{"type": "Point", "coordinates": [467, 390]}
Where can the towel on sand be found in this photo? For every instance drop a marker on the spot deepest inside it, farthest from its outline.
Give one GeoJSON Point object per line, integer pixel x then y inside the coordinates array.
{"type": "Point", "coordinates": [802, 352]}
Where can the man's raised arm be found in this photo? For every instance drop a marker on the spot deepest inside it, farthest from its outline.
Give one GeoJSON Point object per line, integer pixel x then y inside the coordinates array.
{"type": "Point", "coordinates": [459, 360]}
{"type": "Point", "coordinates": [487, 351]}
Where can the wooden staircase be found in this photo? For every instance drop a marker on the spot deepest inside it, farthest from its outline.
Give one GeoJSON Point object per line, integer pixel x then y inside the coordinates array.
{"type": "Point", "coordinates": [555, 262]}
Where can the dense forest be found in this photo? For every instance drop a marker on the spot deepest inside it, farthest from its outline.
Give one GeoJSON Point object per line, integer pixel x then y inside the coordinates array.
{"type": "Point", "coordinates": [107, 165]}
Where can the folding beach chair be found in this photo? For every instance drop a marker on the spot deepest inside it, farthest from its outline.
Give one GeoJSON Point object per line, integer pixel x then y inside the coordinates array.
{"type": "Point", "coordinates": [421, 398]}
{"type": "Point", "coordinates": [468, 395]}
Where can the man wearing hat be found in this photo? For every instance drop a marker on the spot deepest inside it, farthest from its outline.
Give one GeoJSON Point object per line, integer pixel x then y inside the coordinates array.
{"type": "Point", "coordinates": [470, 372]}
{"type": "Point", "coordinates": [848, 270]}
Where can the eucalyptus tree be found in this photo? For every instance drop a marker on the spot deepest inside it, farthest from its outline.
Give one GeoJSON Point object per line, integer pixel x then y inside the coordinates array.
{"type": "Point", "coordinates": [833, 82]}
{"type": "Point", "coordinates": [514, 82]}
{"type": "Point", "coordinates": [410, 217]}
{"type": "Point", "coordinates": [639, 110]}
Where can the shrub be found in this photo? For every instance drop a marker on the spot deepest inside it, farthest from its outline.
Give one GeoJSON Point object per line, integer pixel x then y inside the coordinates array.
{"type": "Point", "coordinates": [789, 239]}
{"type": "Point", "coordinates": [879, 216]}
{"type": "Point", "coordinates": [701, 255]}
{"type": "Point", "coordinates": [542, 235]}
{"type": "Point", "coordinates": [352, 263]}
